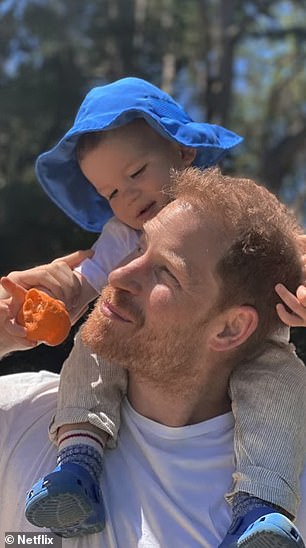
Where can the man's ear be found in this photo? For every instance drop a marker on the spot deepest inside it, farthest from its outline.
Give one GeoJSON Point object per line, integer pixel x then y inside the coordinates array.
{"type": "Point", "coordinates": [188, 155]}
{"type": "Point", "coordinates": [233, 328]}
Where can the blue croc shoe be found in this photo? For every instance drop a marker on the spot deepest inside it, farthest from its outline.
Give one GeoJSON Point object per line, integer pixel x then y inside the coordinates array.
{"type": "Point", "coordinates": [67, 500]}
{"type": "Point", "coordinates": [242, 523]}
{"type": "Point", "coordinates": [271, 531]}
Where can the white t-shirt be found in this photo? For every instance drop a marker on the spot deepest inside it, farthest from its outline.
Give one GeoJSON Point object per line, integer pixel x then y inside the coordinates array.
{"type": "Point", "coordinates": [115, 242]}
{"type": "Point", "coordinates": [163, 487]}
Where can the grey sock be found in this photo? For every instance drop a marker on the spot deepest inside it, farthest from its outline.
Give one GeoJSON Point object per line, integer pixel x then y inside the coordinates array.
{"type": "Point", "coordinates": [245, 502]}
{"type": "Point", "coordinates": [85, 455]}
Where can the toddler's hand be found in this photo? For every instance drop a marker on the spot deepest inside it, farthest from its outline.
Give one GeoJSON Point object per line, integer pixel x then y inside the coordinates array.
{"type": "Point", "coordinates": [296, 303]}
{"type": "Point", "coordinates": [56, 278]}
{"type": "Point", "coordinates": [296, 317]}
{"type": "Point", "coordinates": [12, 335]}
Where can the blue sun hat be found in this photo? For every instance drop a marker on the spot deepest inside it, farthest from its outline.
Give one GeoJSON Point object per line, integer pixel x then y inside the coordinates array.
{"type": "Point", "coordinates": [108, 107]}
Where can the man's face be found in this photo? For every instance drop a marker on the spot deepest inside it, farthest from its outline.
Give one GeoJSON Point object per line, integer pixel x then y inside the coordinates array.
{"type": "Point", "coordinates": [153, 316]}
{"type": "Point", "coordinates": [130, 167]}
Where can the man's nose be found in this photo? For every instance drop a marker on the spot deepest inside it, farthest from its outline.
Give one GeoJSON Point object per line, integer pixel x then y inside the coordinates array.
{"type": "Point", "coordinates": [128, 277]}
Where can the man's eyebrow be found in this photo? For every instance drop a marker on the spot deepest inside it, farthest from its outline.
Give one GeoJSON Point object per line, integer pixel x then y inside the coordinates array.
{"type": "Point", "coordinates": [178, 262]}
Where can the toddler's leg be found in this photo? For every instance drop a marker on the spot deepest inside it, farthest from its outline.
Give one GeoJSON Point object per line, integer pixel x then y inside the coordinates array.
{"type": "Point", "coordinates": [269, 405]}
{"type": "Point", "coordinates": [68, 500]}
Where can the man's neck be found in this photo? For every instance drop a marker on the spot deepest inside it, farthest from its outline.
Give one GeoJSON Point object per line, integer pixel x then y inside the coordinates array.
{"type": "Point", "coordinates": [200, 403]}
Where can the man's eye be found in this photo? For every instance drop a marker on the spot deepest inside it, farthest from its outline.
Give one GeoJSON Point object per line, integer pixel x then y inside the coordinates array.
{"type": "Point", "coordinates": [113, 194]}
{"type": "Point", "coordinates": [169, 274]}
{"type": "Point", "coordinates": [138, 172]}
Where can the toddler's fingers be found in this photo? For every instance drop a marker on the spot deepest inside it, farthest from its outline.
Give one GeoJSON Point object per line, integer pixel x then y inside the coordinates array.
{"type": "Point", "coordinates": [289, 298]}
{"type": "Point", "coordinates": [15, 329]}
{"type": "Point", "coordinates": [15, 291]}
{"type": "Point", "coordinates": [3, 294]}
{"type": "Point", "coordinates": [296, 316]}
{"type": "Point", "coordinates": [301, 295]}
{"type": "Point", "coordinates": [42, 277]}
{"type": "Point", "coordinates": [17, 336]}
{"type": "Point", "coordinates": [69, 282]}
{"type": "Point", "coordinates": [74, 259]}
{"type": "Point", "coordinates": [56, 279]}
{"type": "Point", "coordinates": [4, 311]}
{"type": "Point", "coordinates": [292, 320]}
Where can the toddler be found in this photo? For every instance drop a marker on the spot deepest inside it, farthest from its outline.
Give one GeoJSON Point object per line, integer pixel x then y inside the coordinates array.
{"type": "Point", "coordinates": [110, 172]}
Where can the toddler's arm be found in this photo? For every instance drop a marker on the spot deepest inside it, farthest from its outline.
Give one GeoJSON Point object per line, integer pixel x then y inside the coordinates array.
{"type": "Point", "coordinates": [78, 278]}
{"type": "Point", "coordinates": [114, 244]}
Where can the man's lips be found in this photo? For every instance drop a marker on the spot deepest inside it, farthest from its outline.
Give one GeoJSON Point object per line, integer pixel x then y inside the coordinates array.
{"type": "Point", "coordinates": [111, 311]}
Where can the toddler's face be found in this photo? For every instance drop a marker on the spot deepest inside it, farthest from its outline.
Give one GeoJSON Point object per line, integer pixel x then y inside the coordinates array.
{"type": "Point", "coordinates": [130, 167]}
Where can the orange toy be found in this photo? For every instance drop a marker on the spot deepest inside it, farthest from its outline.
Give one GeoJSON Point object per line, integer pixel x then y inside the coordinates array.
{"type": "Point", "coordinates": [45, 319]}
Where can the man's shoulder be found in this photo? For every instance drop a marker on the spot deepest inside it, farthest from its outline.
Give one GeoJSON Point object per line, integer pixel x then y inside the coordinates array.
{"type": "Point", "coordinates": [18, 387]}
{"type": "Point", "coordinates": [27, 400]}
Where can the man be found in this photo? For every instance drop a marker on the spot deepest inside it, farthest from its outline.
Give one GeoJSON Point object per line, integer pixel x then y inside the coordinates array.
{"type": "Point", "coordinates": [179, 320]}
